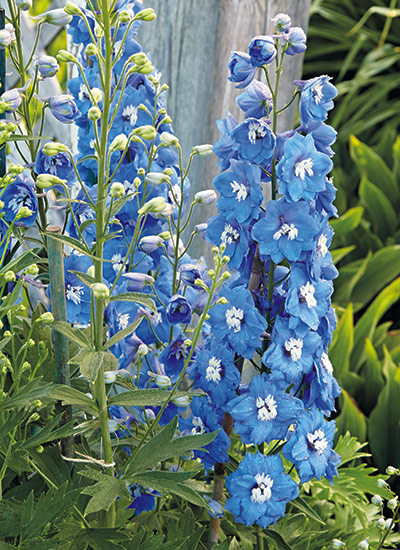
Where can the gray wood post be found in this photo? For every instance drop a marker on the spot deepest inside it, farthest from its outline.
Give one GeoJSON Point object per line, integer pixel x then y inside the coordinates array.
{"type": "Point", "coordinates": [190, 42]}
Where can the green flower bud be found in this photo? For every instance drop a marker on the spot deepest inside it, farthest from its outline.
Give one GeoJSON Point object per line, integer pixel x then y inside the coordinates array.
{"type": "Point", "coordinates": [9, 276]}
{"type": "Point", "coordinates": [380, 524]}
{"type": "Point", "coordinates": [225, 276]}
{"type": "Point", "coordinates": [165, 235]}
{"type": "Point", "coordinates": [139, 59]}
{"type": "Point", "coordinates": [162, 381]}
{"type": "Point", "coordinates": [32, 269]}
{"type": "Point", "coordinates": [142, 350]}
{"type": "Point", "coordinates": [147, 14]}
{"type": "Point", "coordinates": [208, 196]}
{"type": "Point", "coordinates": [91, 271]}
{"type": "Point", "coordinates": [156, 204]}
{"type": "Point", "coordinates": [119, 143]}
{"type": "Point", "coordinates": [146, 132]}
{"type": "Point", "coordinates": [44, 181]}
{"type": "Point", "coordinates": [146, 68]}
{"type": "Point", "coordinates": [202, 150]}
{"type": "Point", "coordinates": [392, 503]}
{"type": "Point", "coordinates": [7, 334]}
{"type": "Point", "coordinates": [225, 260]}
{"type": "Point", "coordinates": [168, 139]}
{"type": "Point", "coordinates": [26, 365]}
{"type": "Point", "coordinates": [72, 9]}
{"type": "Point", "coordinates": [164, 87]}
{"type": "Point", "coordinates": [156, 178]}
{"type": "Point", "coordinates": [56, 17]}
{"type": "Point", "coordinates": [363, 545]}
{"type": "Point", "coordinates": [23, 212]}
{"type": "Point", "coordinates": [33, 418]}
{"type": "Point", "coordinates": [53, 147]}
{"type": "Point", "coordinates": [97, 94]}
{"type": "Point", "coordinates": [91, 49]}
{"type": "Point", "coordinates": [110, 377]}
{"type": "Point", "coordinates": [187, 343]}
{"type": "Point", "coordinates": [336, 543]}
{"type": "Point", "coordinates": [37, 404]}
{"type": "Point", "coordinates": [167, 120]}
{"type": "Point", "coordinates": [137, 182]}
{"type": "Point", "coordinates": [15, 169]}
{"type": "Point", "coordinates": [211, 273]}
{"type": "Point", "coordinates": [66, 57]}
{"type": "Point", "coordinates": [100, 291]}
{"type": "Point", "coordinates": [124, 17]}
{"type": "Point", "coordinates": [377, 500]}
{"type": "Point", "coordinates": [381, 483]}
{"type": "Point", "coordinates": [392, 471]}
{"type": "Point", "coordinates": [117, 190]}
{"type": "Point", "coordinates": [98, 31]}
{"type": "Point", "coordinates": [31, 343]}
{"type": "Point", "coordinates": [47, 317]}
{"type": "Point", "coordinates": [1, 205]}
{"type": "Point", "coordinates": [39, 449]}
{"type": "Point", "coordinates": [168, 172]}
{"type": "Point", "coordinates": [141, 172]}
{"type": "Point", "coordinates": [222, 300]}
{"type": "Point", "coordinates": [94, 113]}
{"type": "Point", "coordinates": [42, 348]}
{"type": "Point", "coordinates": [181, 401]}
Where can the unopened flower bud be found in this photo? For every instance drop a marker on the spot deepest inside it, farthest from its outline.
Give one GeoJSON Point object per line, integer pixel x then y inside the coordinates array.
{"type": "Point", "coordinates": [377, 500]}
{"type": "Point", "coordinates": [47, 66]}
{"type": "Point", "coordinates": [336, 543]}
{"type": "Point", "coordinates": [202, 150]}
{"type": "Point", "coordinates": [117, 190]}
{"type": "Point", "coordinates": [26, 365]}
{"type": "Point", "coordinates": [392, 471]}
{"type": "Point", "coordinates": [37, 404]}
{"type": "Point", "coordinates": [164, 87]}
{"type": "Point", "coordinates": [91, 49]}
{"type": "Point", "coordinates": [44, 181]}
{"type": "Point", "coordinates": [56, 17]}
{"type": "Point", "coordinates": [32, 269]}
{"type": "Point", "coordinates": [24, 212]}
{"type": "Point", "coordinates": [211, 273]}
{"type": "Point", "coordinates": [137, 182]}
{"type": "Point", "coordinates": [33, 418]}
{"type": "Point", "coordinates": [165, 235]}
{"type": "Point", "coordinates": [7, 334]}
{"type": "Point", "coordinates": [9, 276]}
{"type": "Point", "coordinates": [137, 281]}
{"type": "Point", "coordinates": [94, 113]}
{"type": "Point", "coordinates": [98, 31]}
{"type": "Point", "coordinates": [147, 14]}
{"type": "Point", "coordinates": [162, 381]}
{"type": "Point", "coordinates": [124, 17]}
{"type": "Point", "coordinates": [119, 143]}
{"type": "Point", "coordinates": [168, 139]}
{"type": "Point", "coordinates": [187, 343]}
{"type": "Point", "coordinates": [167, 120]}
{"type": "Point", "coordinates": [47, 317]}
{"type": "Point", "coordinates": [97, 94]}
{"type": "Point", "coordinates": [72, 9]}
{"type": "Point", "coordinates": [225, 276]}
{"type": "Point", "coordinates": [23, 5]}
{"type": "Point", "coordinates": [5, 39]}
{"type": "Point", "coordinates": [64, 56]}
{"type": "Point", "coordinates": [168, 171]}
{"type": "Point", "coordinates": [389, 523]}
{"type": "Point", "coordinates": [150, 243]}
{"type": "Point", "coordinates": [91, 271]}
{"type": "Point", "coordinates": [381, 483]}
{"type": "Point", "coordinates": [149, 414]}
{"type": "Point", "coordinates": [110, 376]}
{"type": "Point", "coordinates": [139, 58]}
{"type": "Point", "coordinates": [141, 172]}
{"type": "Point", "coordinates": [156, 204]}
{"type": "Point", "coordinates": [181, 401]}
{"type": "Point", "coordinates": [31, 343]}
{"type": "Point", "coordinates": [100, 291]}
{"type": "Point", "coordinates": [146, 132]}
{"type": "Point", "coordinates": [206, 197]}
{"type": "Point", "coordinates": [142, 350]}
{"type": "Point", "coordinates": [380, 524]}
{"type": "Point", "coordinates": [363, 545]}
{"type": "Point", "coordinates": [392, 503]}
{"type": "Point", "coordinates": [39, 449]}
{"type": "Point", "coordinates": [53, 147]}
{"type": "Point", "coordinates": [12, 100]}
{"type": "Point", "coordinates": [222, 300]}
{"type": "Point", "coordinates": [156, 178]}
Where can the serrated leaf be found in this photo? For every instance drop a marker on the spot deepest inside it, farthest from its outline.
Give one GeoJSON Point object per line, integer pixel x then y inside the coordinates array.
{"type": "Point", "coordinates": [138, 297]}
{"type": "Point", "coordinates": [349, 448]}
{"type": "Point", "coordinates": [74, 334]}
{"type": "Point", "coordinates": [122, 334]}
{"type": "Point", "coordinates": [104, 493]}
{"type": "Point", "coordinates": [302, 505]}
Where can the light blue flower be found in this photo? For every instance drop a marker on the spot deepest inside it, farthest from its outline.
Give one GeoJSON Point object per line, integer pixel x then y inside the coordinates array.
{"type": "Point", "coordinates": [254, 140]}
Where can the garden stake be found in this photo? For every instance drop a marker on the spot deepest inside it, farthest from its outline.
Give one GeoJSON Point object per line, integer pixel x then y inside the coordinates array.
{"type": "Point", "coordinates": [2, 90]}
{"type": "Point", "coordinates": [57, 294]}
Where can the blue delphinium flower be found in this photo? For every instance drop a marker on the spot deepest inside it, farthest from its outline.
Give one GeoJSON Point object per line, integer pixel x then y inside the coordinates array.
{"type": "Point", "coordinates": [241, 69]}
{"type": "Point", "coordinates": [63, 108]}
{"type": "Point", "coordinates": [20, 193]}
{"type": "Point", "coordinates": [214, 371]}
{"type": "Point", "coordinates": [238, 322]}
{"type": "Point", "coordinates": [231, 233]}
{"type": "Point", "coordinates": [59, 165]}
{"type": "Point", "coordinates": [254, 140]}
{"type": "Point", "coordinates": [224, 146]}
{"type": "Point", "coordinates": [264, 412]}
{"type": "Point", "coordinates": [240, 190]}
{"type": "Point", "coordinates": [322, 387]}
{"type": "Point", "coordinates": [281, 22]}
{"type": "Point", "coordinates": [77, 294]}
{"type": "Point", "coordinates": [256, 100]}
{"type": "Point", "coordinates": [179, 310]}
{"type": "Point", "coordinates": [290, 356]}
{"type": "Point", "coordinates": [204, 420]}
{"type": "Point", "coordinates": [316, 98]}
{"type": "Point", "coordinates": [296, 41]}
{"type": "Point", "coordinates": [285, 231]}
{"type": "Point", "coordinates": [143, 498]}
{"type": "Point", "coordinates": [302, 169]}
{"type": "Point", "coordinates": [323, 135]}
{"type": "Point", "coordinates": [309, 447]}
{"type": "Point", "coordinates": [262, 50]}
{"type": "Point", "coordinates": [173, 358]}
{"type": "Point", "coordinates": [260, 490]}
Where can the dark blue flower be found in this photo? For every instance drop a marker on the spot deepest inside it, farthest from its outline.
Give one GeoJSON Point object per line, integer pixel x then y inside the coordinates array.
{"type": "Point", "coordinates": [309, 447]}
{"type": "Point", "coordinates": [63, 108]}
{"type": "Point", "coordinates": [238, 322]}
{"type": "Point", "coordinates": [285, 231]}
{"type": "Point", "coordinates": [259, 490]}
{"type": "Point", "coordinates": [59, 165]}
{"type": "Point", "coordinates": [179, 310]}
{"type": "Point", "coordinates": [264, 412]}
{"type": "Point", "coordinates": [143, 498]}
{"type": "Point", "coordinates": [316, 98]}
{"type": "Point", "coordinates": [241, 69]}
{"type": "Point", "coordinates": [18, 194]}
{"type": "Point", "coordinates": [254, 140]}
{"type": "Point", "coordinates": [256, 100]}
{"type": "Point", "coordinates": [240, 190]}
{"type": "Point", "coordinates": [262, 50]}
{"type": "Point", "coordinates": [173, 358]}
{"type": "Point", "coordinates": [302, 169]}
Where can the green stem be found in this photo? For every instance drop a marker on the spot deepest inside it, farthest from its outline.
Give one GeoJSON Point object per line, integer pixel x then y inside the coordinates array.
{"type": "Point", "coordinates": [260, 539]}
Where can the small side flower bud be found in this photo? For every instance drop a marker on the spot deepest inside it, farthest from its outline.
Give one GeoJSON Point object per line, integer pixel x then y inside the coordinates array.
{"type": "Point", "coordinates": [147, 14]}
{"type": "Point", "coordinates": [98, 31]}
{"type": "Point", "coordinates": [156, 178]}
{"type": "Point", "coordinates": [377, 500]}
{"type": "Point", "coordinates": [124, 17]}
{"type": "Point", "coordinates": [23, 5]}
{"type": "Point", "coordinates": [202, 150]}
{"type": "Point", "coordinates": [47, 317]}
{"type": "Point", "coordinates": [392, 503]}
{"type": "Point", "coordinates": [37, 404]}
{"type": "Point", "coordinates": [32, 270]}
{"type": "Point", "coordinates": [363, 545]}
{"type": "Point", "coordinates": [97, 94]}
{"type": "Point", "coordinates": [110, 376]}
{"type": "Point", "coordinates": [142, 350]}
{"type": "Point", "coordinates": [66, 57]}
{"type": "Point", "coordinates": [119, 143]}
{"type": "Point", "coordinates": [381, 483]}
{"type": "Point", "coordinates": [146, 132]}
{"type": "Point", "coordinates": [181, 401]}
{"type": "Point", "coordinates": [44, 181]}
{"type": "Point", "coordinates": [141, 172]}
{"type": "Point", "coordinates": [156, 204]}
{"type": "Point", "coordinates": [206, 197]}
{"type": "Point", "coordinates": [165, 235]}
{"type": "Point", "coordinates": [150, 243]}
{"type": "Point", "coordinates": [162, 381]}
{"type": "Point", "coordinates": [91, 49]}
{"type": "Point", "coordinates": [336, 543]}
{"type": "Point", "coordinates": [117, 190]}
{"type": "Point", "coordinates": [94, 113]}
{"type": "Point", "coordinates": [100, 291]}
{"type": "Point", "coordinates": [168, 139]}
{"type": "Point", "coordinates": [23, 212]}
{"type": "Point", "coordinates": [380, 524]}
{"type": "Point", "coordinates": [72, 9]}
{"type": "Point", "coordinates": [47, 66]}
{"type": "Point", "coordinates": [222, 300]}
{"type": "Point", "coordinates": [91, 271]}
{"type": "Point", "coordinates": [53, 147]}
{"type": "Point", "coordinates": [392, 471]}
{"type": "Point", "coordinates": [57, 17]}
{"type": "Point", "coordinates": [9, 276]}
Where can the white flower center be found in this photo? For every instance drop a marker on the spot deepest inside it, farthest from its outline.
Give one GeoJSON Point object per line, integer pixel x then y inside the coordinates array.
{"type": "Point", "coordinates": [213, 371]}
{"type": "Point", "coordinates": [240, 190]}
{"type": "Point", "coordinates": [123, 320]}
{"type": "Point", "coordinates": [322, 249]}
{"type": "Point", "coordinates": [307, 294]}
{"type": "Point", "coordinates": [198, 426]}
{"type": "Point", "coordinates": [234, 318]}
{"type": "Point", "coordinates": [262, 492]}
{"type": "Point", "coordinates": [317, 441]}
{"type": "Point", "coordinates": [256, 131]}
{"type": "Point", "coordinates": [266, 408]}
{"type": "Point", "coordinates": [20, 199]}
{"type": "Point", "coordinates": [83, 93]}
{"type": "Point", "coordinates": [117, 262]}
{"type": "Point", "coordinates": [317, 92]}
{"type": "Point", "coordinates": [176, 193]}
{"type": "Point", "coordinates": [326, 363]}
{"type": "Point", "coordinates": [92, 144]}
{"type": "Point", "coordinates": [74, 293]}
{"type": "Point", "coordinates": [290, 230]}
{"type": "Point", "coordinates": [130, 114]}
{"type": "Point", "coordinates": [294, 347]}
{"type": "Point", "coordinates": [303, 167]}
{"type": "Point", "coordinates": [229, 235]}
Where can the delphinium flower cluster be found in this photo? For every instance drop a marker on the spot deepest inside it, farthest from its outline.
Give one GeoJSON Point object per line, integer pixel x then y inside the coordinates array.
{"type": "Point", "coordinates": [277, 314]}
